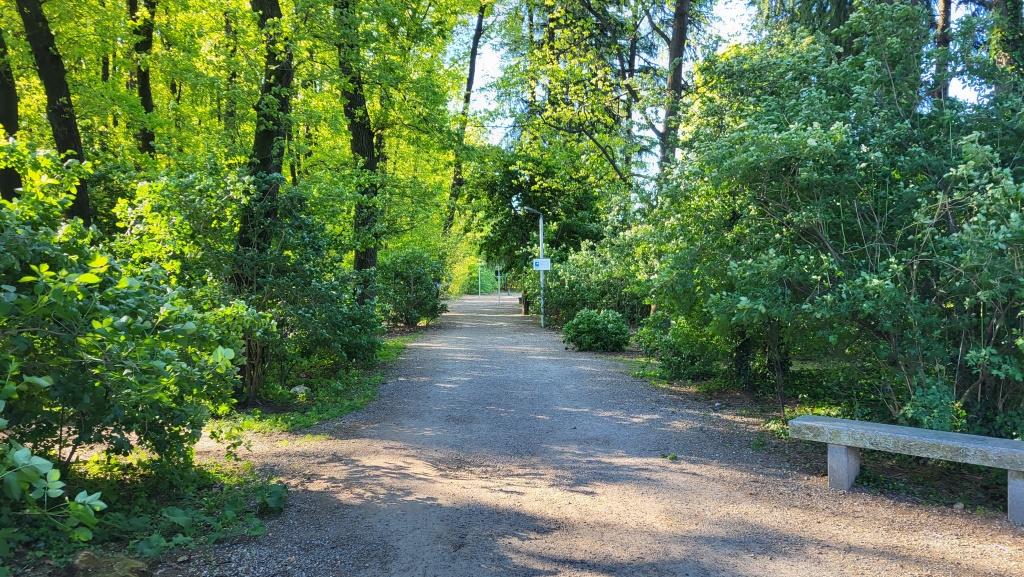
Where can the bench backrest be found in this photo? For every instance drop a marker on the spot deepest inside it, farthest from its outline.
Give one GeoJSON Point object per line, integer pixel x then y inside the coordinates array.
{"type": "Point", "coordinates": [959, 447]}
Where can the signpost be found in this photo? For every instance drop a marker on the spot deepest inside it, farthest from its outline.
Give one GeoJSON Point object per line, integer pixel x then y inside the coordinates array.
{"type": "Point", "coordinates": [540, 264]}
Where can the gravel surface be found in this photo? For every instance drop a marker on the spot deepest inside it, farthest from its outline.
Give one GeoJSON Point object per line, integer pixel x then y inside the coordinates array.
{"type": "Point", "coordinates": [494, 451]}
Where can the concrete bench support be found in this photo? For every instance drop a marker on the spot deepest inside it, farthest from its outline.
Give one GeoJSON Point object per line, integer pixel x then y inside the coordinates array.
{"type": "Point", "coordinates": [845, 437]}
{"type": "Point", "coordinates": [843, 467]}
{"type": "Point", "coordinates": [1015, 497]}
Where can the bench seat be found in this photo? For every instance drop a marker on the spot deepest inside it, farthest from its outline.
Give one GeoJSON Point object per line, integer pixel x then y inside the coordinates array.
{"type": "Point", "coordinates": [844, 437]}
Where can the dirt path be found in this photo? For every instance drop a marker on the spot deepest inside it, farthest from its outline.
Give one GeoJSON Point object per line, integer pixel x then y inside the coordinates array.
{"type": "Point", "coordinates": [494, 451]}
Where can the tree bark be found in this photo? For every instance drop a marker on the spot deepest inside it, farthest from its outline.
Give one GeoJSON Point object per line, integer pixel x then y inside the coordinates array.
{"type": "Point", "coordinates": [367, 145]}
{"type": "Point", "coordinates": [267, 157]}
{"type": "Point", "coordinates": [457, 178]}
{"type": "Point", "coordinates": [676, 48]}
{"type": "Point", "coordinates": [940, 89]}
{"type": "Point", "coordinates": [142, 27]}
{"type": "Point", "coordinates": [59, 109]}
{"type": "Point", "coordinates": [259, 216]}
{"type": "Point", "coordinates": [10, 180]}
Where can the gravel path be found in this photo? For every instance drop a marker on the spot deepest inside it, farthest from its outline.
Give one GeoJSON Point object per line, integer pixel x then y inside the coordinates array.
{"type": "Point", "coordinates": [495, 452]}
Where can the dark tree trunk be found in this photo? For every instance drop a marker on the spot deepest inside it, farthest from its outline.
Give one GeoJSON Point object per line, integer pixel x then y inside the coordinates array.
{"type": "Point", "coordinates": [778, 362]}
{"type": "Point", "coordinates": [10, 181]}
{"type": "Point", "coordinates": [259, 216]}
{"type": "Point", "coordinates": [59, 109]}
{"type": "Point", "coordinates": [142, 26]}
{"type": "Point", "coordinates": [367, 147]}
{"type": "Point", "coordinates": [457, 178]}
{"type": "Point", "coordinates": [267, 157]}
{"type": "Point", "coordinates": [742, 361]}
{"type": "Point", "coordinates": [940, 89]}
{"type": "Point", "coordinates": [676, 49]}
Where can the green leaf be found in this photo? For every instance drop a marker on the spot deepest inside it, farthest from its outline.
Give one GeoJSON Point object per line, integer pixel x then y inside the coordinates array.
{"type": "Point", "coordinates": [81, 534]}
{"type": "Point", "coordinates": [177, 516]}
{"type": "Point", "coordinates": [99, 261]}
{"type": "Point", "coordinates": [87, 278]}
{"type": "Point", "coordinates": [12, 487]}
{"type": "Point", "coordinates": [43, 382]}
{"type": "Point", "coordinates": [44, 467]}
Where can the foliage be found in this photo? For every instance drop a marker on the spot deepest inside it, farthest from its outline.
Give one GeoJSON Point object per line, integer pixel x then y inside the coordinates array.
{"type": "Point", "coordinates": [595, 277]}
{"type": "Point", "coordinates": [591, 330]}
{"type": "Point", "coordinates": [409, 287]}
{"type": "Point", "coordinates": [683, 351]}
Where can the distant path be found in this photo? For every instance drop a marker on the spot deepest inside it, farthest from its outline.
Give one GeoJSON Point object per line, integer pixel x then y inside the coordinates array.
{"type": "Point", "coordinates": [495, 452]}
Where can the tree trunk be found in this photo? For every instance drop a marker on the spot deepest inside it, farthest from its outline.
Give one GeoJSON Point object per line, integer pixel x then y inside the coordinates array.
{"type": "Point", "coordinates": [367, 147]}
{"type": "Point", "coordinates": [457, 178]}
{"type": "Point", "coordinates": [267, 157]}
{"type": "Point", "coordinates": [259, 216]}
{"type": "Point", "coordinates": [10, 181]}
{"type": "Point", "coordinates": [742, 360]}
{"type": "Point", "coordinates": [778, 362]}
{"type": "Point", "coordinates": [676, 48]}
{"type": "Point", "coordinates": [142, 27]}
{"type": "Point", "coordinates": [940, 89]}
{"type": "Point", "coordinates": [59, 109]}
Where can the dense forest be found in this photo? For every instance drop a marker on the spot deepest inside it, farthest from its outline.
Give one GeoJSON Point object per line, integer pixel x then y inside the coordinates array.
{"type": "Point", "coordinates": [215, 206]}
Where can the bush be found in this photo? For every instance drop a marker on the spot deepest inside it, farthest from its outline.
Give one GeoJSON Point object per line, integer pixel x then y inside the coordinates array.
{"type": "Point", "coordinates": [595, 276]}
{"type": "Point", "coordinates": [409, 286]}
{"type": "Point", "coordinates": [91, 354]}
{"type": "Point", "coordinates": [590, 330]}
{"type": "Point", "coordinates": [683, 350]}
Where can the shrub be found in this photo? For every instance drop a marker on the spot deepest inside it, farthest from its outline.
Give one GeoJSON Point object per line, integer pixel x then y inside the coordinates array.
{"type": "Point", "coordinates": [595, 276]}
{"type": "Point", "coordinates": [117, 360]}
{"type": "Point", "coordinates": [683, 350]}
{"type": "Point", "coordinates": [590, 330]}
{"type": "Point", "coordinates": [409, 286]}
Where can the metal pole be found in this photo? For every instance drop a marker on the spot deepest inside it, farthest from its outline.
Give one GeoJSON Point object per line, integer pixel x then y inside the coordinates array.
{"type": "Point", "coordinates": [499, 286]}
{"type": "Point", "coordinates": [542, 271]}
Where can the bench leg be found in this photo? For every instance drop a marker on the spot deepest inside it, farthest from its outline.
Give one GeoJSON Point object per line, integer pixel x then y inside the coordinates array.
{"type": "Point", "coordinates": [1015, 497]}
{"type": "Point", "coordinates": [843, 467]}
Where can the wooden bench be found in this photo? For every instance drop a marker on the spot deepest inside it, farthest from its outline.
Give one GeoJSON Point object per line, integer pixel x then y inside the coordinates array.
{"type": "Point", "coordinates": [846, 437]}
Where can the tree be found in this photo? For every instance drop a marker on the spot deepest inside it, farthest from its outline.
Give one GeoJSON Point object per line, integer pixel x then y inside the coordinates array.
{"type": "Point", "coordinates": [366, 143]}
{"type": "Point", "coordinates": [60, 110]}
{"type": "Point", "coordinates": [676, 49]}
{"type": "Point", "coordinates": [10, 181]}
{"type": "Point", "coordinates": [142, 24]}
{"type": "Point", "coordinates": [458, 179]}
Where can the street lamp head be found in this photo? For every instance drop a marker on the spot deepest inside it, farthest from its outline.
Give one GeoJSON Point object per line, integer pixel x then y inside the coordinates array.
{"type": "Point", "coordinates": [532, 210]}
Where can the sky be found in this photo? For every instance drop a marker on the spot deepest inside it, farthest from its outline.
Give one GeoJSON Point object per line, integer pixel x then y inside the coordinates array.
{"type": "Point", "coordinates": [732, 22]}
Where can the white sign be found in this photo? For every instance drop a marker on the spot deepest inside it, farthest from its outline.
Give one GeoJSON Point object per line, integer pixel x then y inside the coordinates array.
{"type": "Point", "coordinates": [542, 264]}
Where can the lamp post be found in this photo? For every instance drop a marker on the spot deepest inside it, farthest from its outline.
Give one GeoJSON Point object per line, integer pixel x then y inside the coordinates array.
{"type": "Point", "coordinates": [541, 216]}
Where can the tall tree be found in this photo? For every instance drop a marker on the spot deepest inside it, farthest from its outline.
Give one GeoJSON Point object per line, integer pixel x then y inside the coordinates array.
{"type": "Point", "coordinates": [10, 181]}
{"type": "Point", "coordinates": [457, 177]}
{"type": "Point", "coordinates": [267, 157]}
{"type": "Point", "coordinates": [259, 216]}
{"type": "Point", "coordinates": [943, 21]}
{"type": "Point", "coordinates": [366, 143]}
{"type": "Point", "coordinates": [676, 48]}
{"type": "Point", "coordinates": [142, 26]}
{"type": "Point", "coordinates": [59, 109]}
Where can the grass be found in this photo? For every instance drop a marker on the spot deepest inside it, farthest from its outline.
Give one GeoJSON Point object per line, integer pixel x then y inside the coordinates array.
{"type": "Point", "coordinates": [329, 398]}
